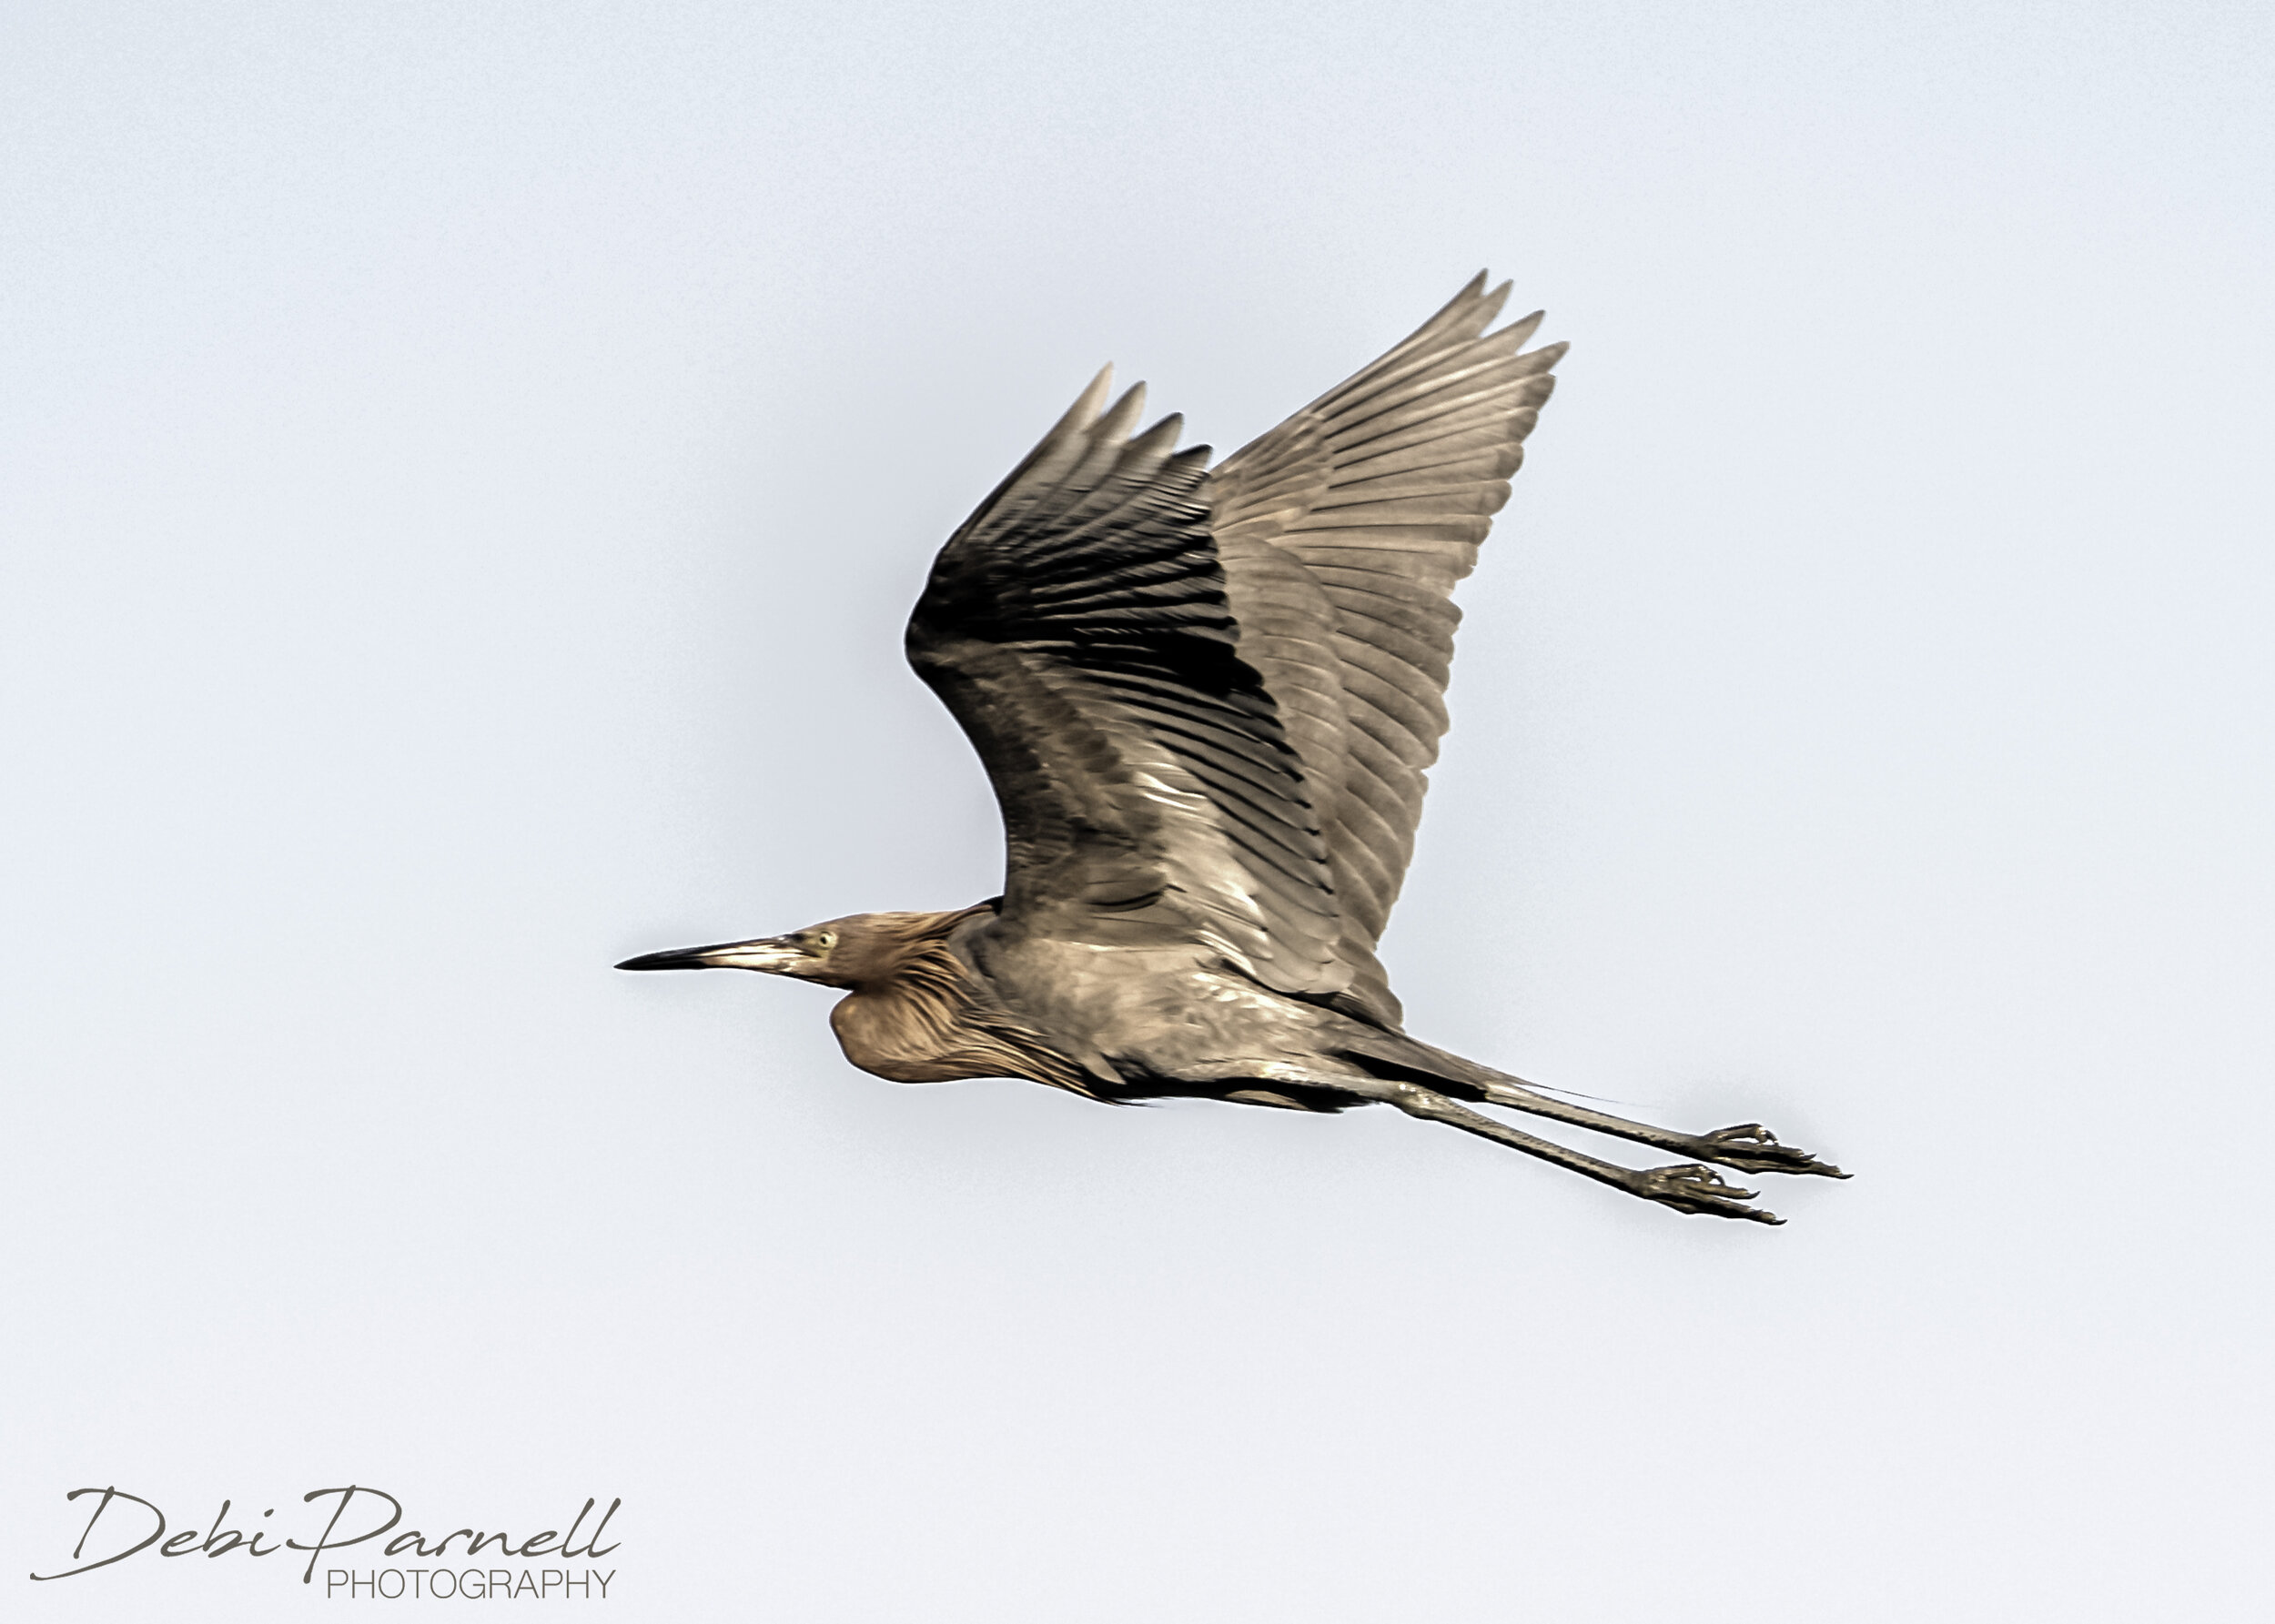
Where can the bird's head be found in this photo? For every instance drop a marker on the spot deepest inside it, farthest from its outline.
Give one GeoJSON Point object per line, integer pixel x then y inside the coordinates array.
{"type": "Point", "coordinates": [859, 950]}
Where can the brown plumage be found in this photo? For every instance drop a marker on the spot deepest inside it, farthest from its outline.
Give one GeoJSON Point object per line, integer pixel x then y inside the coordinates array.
{"type": "Point", "coordinates": [1207, 700]}
{"type": "Point", "coordinates": [916, 1013]}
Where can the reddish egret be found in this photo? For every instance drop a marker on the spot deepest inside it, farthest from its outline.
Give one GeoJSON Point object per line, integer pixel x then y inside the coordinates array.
{"type": "Point", "coordinates": [1206, 700]}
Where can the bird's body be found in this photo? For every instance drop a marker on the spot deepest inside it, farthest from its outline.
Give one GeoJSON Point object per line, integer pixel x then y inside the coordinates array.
{"type": "Point", "coordinates": [1206, 701]}
{"type": "Point", "coordinates": [1165, 1019]}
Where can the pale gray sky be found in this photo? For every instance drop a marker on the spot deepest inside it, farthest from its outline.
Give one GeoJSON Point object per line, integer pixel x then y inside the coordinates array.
{"type": "Point", "coordinates": [466, 469]}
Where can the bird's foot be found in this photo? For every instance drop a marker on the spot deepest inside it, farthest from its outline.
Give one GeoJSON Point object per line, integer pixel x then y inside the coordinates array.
{"type": "Point", "coordinates": [1692, 1188]}
{"type": "Point", "coordinates": [1752, 1148]}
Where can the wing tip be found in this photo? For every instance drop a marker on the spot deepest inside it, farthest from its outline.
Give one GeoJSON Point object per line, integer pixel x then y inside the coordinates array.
{"type": "Point", "coordinates": [1114, 424]}
{"type": "Point", "coordinates": [1160, 438]}
{"type": "Point", "coordinates": [1091, 402]}
{"type": "Point", "coordinates": [1516, 332]}
{"type": "Point", "coordinates": [1085, 409]}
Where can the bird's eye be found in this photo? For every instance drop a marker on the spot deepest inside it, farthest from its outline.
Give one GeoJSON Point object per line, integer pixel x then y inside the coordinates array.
{"type": "Point", "coordinates": [822, 940]}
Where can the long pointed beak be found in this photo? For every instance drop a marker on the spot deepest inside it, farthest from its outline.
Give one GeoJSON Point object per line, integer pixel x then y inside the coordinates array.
{"type": "Point", "coordinates": [768, 952]}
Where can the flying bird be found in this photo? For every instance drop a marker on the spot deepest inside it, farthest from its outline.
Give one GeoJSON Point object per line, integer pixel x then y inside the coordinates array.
{"type": "Point", "coordinates": [1206, 698]}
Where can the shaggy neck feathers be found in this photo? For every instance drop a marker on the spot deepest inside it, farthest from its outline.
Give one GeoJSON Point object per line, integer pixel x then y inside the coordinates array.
{"type": "Point", "coordinates": [922, 1016]}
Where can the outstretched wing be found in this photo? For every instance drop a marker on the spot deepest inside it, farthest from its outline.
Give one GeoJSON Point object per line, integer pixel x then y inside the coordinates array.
{"type": "Point", "coordinates": [1380, 492]}
{"type": "Point", "coordinates": [1077, 626]}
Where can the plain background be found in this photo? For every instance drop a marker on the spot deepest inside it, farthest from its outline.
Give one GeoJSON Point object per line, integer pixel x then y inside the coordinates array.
{"type": "Point", "coordinates": [466, 469]}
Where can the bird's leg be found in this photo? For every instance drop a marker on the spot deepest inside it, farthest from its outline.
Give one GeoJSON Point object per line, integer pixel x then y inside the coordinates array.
{"type": "Point", "coordinates": [1749, 1147]}
{"type": "Point", "coordinates": [1689, 1188]}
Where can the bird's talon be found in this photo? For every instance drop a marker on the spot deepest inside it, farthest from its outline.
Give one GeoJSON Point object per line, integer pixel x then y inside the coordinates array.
{"type": "Point", "coordinates": [1699, 1191]}
{"type": "Point", "coordinates": [1750, 1133]}
{"type": "Point", "coordinates": [1752, 1148]}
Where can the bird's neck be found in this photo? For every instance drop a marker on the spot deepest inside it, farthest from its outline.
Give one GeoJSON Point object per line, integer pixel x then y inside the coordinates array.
{"type": "Point", "coordinates": [933, 1021]}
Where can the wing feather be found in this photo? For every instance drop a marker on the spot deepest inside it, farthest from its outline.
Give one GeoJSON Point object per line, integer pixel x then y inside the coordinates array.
{"type": "Point", "coordinates": [1078, 628]}
{"type": "Point", "coordinates": [1382, 491]}
{"type": "Point", "coordinates": [1208, 701]}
